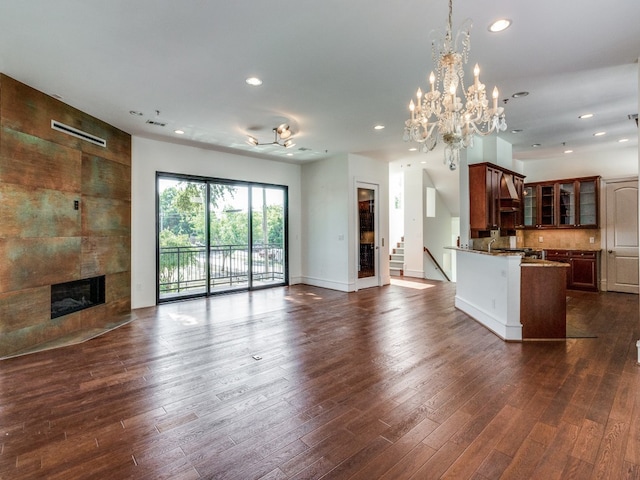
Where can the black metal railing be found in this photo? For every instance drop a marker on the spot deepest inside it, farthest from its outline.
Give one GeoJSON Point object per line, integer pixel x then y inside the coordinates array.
{"type": "Point", "coordinates": [183, 270]}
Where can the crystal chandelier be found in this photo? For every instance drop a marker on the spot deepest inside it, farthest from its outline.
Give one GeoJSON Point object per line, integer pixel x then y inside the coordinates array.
{"type": "Point", "coordinates": [442, 115]}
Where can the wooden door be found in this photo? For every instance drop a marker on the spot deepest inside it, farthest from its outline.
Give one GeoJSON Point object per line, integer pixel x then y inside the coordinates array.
{"type": "Point", "coordinates": [622, 237]}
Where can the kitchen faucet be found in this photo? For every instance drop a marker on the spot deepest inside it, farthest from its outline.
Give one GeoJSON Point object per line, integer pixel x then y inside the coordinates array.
{"type": "Point", "coordinates": [491, 242]}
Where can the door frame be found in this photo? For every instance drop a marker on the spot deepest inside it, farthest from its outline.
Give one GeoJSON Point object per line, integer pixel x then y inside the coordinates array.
{"type": "Point", "coordinates": [604, 258]}
{"type": "Point", "coordinates": [376, 279]}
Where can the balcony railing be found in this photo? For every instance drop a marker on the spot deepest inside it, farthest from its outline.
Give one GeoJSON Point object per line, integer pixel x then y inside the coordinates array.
{"type": "Point", "coordinates": [183, 270]}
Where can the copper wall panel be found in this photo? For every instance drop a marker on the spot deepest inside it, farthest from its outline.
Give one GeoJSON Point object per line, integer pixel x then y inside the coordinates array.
{"type": "Point", "coordinates": [28, 212]}
{"type": "Point", "coordinates": [35, 262]}
{"type": "Point", "coordinates": [106, 179]}
{"type": "Point", "coordinates": [24, 308]}
{"type": "Point", "coordinates": [31, 161]}
{"type": "Point", "coordinates": [104, 255]}
{"type": "Point", "coordinates": [105, 217]}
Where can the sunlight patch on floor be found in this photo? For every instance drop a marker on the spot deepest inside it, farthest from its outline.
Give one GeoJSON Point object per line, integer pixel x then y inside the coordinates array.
{"type": "Point", "coordinates": [408, 284]}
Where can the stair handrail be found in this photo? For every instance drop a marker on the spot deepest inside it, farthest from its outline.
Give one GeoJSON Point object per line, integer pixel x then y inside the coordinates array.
{"type": "Point", "coordinates": [438, 267]}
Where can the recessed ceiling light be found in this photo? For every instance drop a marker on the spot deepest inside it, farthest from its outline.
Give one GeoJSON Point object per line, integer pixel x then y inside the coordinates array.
{"type": "Point", "coordinates": [136, 113]}
{"type": "Point", "coordinates": [253, 81]}
{"type": "Point", "coordinates": [413, 149]}
{"type": "Point", "coordinates": [289, 154]}
{"type": "Point", "coordinates": [516, 130]}
{"type": "Point", "coordinates": [179, 132]}
{"type": "Point", "coordinates": [423, 162]}
{"type": "Point", "coordinates": [56, 96]}
{"type": "Point", "coordinates": [568, 151]}
{"type": "Point", "coordinates": [500, 25]}
{"type": "Point", "coordinates": [622, 140]}
{"type": "Point", "coordinates": [586, 115]}
{"type": "Point", "coordinates": [536, 145]}
{"type": "Point", "coordinates": [378, 127]}
{"type": "Point", "coordinates": [599, 134]}
{"type": "Point", "coordinates": [520, 94]}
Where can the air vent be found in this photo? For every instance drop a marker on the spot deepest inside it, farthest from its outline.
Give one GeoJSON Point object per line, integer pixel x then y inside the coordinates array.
{"type": "Point", "coordinates": [157, 124]}
{"type": "Point", "coordinates": [74, 132]}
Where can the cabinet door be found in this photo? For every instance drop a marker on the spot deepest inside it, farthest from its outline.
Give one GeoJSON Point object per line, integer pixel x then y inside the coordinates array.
{"type": "Point", "coordinates": [547, 202]}
{"type": "Point", "coordinates": [566, 204]}
{"type": "Point", "coordinates": [587, 203]}
{"type": "Point", "coordinates": [530, 206]}
{"type": "Point", "coordinates": [583, 271]}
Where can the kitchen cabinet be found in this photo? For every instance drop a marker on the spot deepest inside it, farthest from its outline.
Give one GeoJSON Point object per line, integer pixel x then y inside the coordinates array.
{"type": "Point", "coordinates": [583, 271]}
{"type": "Point", "coordinates": [495, 199]}
{"type": "Point", "coordinates": [570, 203]}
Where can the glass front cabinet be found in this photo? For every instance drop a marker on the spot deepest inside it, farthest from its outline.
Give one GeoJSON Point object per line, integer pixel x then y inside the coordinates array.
{"type": "Point", "coordinates": [571, 203]}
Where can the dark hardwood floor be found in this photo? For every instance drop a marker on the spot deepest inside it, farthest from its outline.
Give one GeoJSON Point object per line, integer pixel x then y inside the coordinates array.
{"type": "Point", "coordinates": [385, 383]}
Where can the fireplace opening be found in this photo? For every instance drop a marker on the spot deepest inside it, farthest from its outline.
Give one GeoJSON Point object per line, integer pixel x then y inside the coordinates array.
{"type": "Point", "coordinates": [73, 296]}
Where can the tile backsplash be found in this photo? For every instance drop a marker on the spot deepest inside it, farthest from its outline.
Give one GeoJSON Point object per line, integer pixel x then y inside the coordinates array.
{"type": "Point", "coordinates": [570, 239]}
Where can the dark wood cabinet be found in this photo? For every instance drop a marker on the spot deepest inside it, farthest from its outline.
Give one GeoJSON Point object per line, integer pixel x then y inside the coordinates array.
{"type": "Point", "coordinates": [570, 203]}
{"type": "Point", "coordinates": [583, 271]}
{"type": "Point", "coordinates": [495, 199]}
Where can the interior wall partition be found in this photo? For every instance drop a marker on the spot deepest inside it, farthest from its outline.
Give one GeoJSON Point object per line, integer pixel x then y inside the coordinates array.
{"type": "Point", "coordinates": [216, 236]}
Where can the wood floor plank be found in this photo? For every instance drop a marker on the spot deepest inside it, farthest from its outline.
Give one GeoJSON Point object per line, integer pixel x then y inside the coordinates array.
{"type": "Point", "coordinates": [383, 383]}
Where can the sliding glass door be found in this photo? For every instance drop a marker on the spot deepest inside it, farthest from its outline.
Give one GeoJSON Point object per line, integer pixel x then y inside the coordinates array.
{"type": "Point", "coordinates": [229, 237]}
{"type": "Point", "coordinates": [267, 239]}
{"type": "Point", "coordinates": [241, 226]}
{"type": "Point", "coordinates": [182, 260]}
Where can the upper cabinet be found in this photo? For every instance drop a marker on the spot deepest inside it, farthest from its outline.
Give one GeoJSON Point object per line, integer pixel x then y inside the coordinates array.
{"type": "Point", "coordinates": [495, 199]}
{"type": "Point", "coordinates": [570, 203]}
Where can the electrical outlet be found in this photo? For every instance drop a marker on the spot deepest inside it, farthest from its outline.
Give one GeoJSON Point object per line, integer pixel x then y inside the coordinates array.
{"type": "Point", "coordinates": [540, 239]}
{"type": "Point", "coordinates": [592, 240]}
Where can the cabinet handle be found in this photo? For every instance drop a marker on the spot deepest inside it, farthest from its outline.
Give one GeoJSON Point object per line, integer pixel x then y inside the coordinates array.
{"type": "Point", "coordinates": [609, 251]}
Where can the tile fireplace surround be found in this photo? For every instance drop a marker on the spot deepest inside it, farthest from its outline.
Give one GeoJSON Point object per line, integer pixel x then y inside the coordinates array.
{"type": "Point", "coordinates": [66, 216]}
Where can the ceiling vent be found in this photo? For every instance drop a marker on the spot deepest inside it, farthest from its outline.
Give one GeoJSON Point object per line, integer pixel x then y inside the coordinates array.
{"type": "Point", "coordinates": [157, 124]}
{"type": "Point", "coordinates": [74, 132]}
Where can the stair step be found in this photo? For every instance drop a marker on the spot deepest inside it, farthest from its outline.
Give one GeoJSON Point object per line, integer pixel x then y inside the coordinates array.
{"type": "Point", "coordinates": [397, 258]}
{"type": "Point", "coordinates": [396, 264]}
{"type": "Point", "coordinates": [396, 272]}
{"type": "Point", "coordinates": [399, 251]}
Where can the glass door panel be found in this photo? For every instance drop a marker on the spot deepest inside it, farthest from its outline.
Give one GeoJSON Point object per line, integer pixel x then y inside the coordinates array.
{"type": "Point", "coordinates": [588, 203]}
{"type": "Point", "coordinates": [547, 205]}
{"type": "Point", "coordinates": [366, 225]}
{"type": "Point", "coordinates": [268, 246]}
{"type": "Point", "coordinates": [530, 206]}
{"type": "Point", "coordinates": [182, 253]}
{"type": "Point", "coordinates": [229, 237]}
{"type": "Point", "coordinates": [567, 204]}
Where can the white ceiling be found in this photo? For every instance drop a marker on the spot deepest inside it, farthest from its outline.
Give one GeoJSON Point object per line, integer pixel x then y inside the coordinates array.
{"type": "Point", "coordinates": [332, 69]}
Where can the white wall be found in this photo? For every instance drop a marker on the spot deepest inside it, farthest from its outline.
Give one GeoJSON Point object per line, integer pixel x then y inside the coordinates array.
{"type": "Point", "coordinates": [621, 163]}
{"type": "Point", "coordinates": [413, 221]}
{"type": "Point", "coordinates": [150, 156]}
{"type": "Point", "coordinates": [330, 237]}
{"type": "Point", "coordinates": [396, 204]}
{"type": "Point", "coordinates": [436, 235]}
{"type": "Point", "coordinates": [325, 223]}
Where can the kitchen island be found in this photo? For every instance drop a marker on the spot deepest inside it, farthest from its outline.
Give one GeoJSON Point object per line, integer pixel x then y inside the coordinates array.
{"type": "Point", "coordinates": [515, 297]}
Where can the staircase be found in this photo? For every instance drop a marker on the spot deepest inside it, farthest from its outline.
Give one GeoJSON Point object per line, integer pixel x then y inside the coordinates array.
{"type": "Point", "coordinates": [396, 263]}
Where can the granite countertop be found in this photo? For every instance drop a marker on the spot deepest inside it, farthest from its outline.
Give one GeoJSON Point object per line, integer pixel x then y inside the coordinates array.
{"type": "Point", "coordinates": [484, 252]}
{"type": "Point", "coordinates": [535, 262]}
{"type": "Point", "coordinates": [589, 249]}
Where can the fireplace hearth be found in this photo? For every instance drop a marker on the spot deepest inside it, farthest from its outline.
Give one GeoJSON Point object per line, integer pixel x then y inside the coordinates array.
{"type": "Point", "coordinates": [74, 296]}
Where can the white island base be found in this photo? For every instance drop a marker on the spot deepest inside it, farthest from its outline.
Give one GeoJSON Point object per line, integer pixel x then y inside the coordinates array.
{"type": "Point", "coordinates": [488, 289]}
